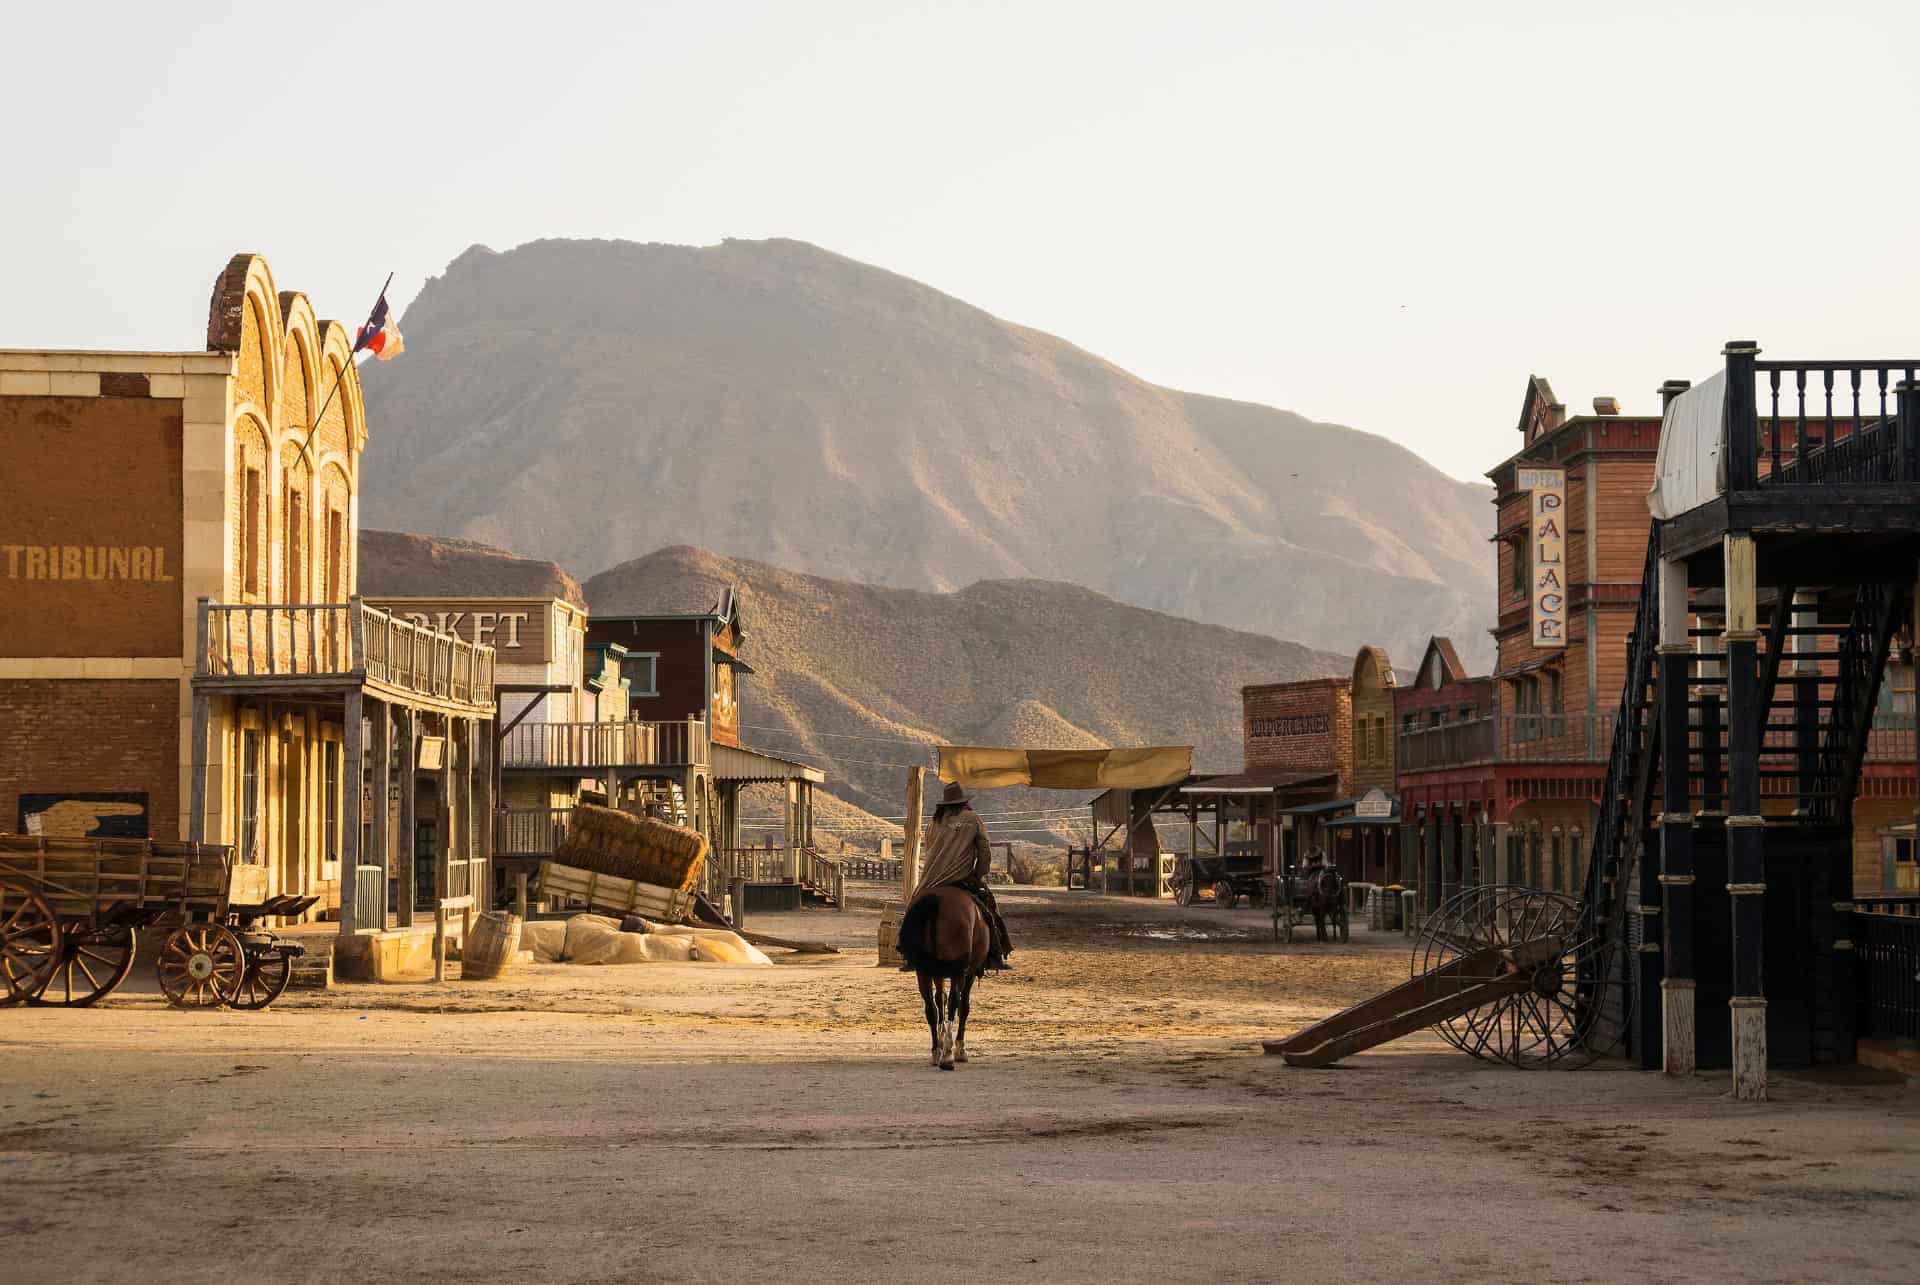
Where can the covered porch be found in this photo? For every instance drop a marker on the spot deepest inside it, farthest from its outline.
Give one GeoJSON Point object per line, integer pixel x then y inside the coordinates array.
{"type": "Point", "coordinates": [1240, 814]}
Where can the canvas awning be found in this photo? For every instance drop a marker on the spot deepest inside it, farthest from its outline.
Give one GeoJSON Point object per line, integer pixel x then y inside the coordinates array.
{"type": "Point", "coordinates": [981, 768]}
{"type": "Point", "coordinates": [1687, 469]}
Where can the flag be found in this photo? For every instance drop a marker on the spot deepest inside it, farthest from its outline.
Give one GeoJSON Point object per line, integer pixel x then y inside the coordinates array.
{"type": "Point", "coordinates": [380, 336]}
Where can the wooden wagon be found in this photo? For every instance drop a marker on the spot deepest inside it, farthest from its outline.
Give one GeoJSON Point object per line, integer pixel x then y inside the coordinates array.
{"type": "Point", "coordinates": [71, 909]}
{"type": "Point", "coordinates": [1232, 876]}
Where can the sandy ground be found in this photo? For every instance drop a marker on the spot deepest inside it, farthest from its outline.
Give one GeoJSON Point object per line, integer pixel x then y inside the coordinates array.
{"type": "Point", "coordinates": [705, 1122]}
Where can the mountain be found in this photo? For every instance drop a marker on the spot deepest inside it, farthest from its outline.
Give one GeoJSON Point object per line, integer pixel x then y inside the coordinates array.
{"type": "Point", "coordinates": [864, 680]}
{"type": "Point", "coordinates": [585, 401]}
{"type": "Point", "coordinates": [399, 564]}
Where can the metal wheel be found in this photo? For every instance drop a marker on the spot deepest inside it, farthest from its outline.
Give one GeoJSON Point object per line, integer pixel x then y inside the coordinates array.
{"type": "Point", "coordinates": [1556, 1021]}
{"type": "Point", "coordinates": [93, 962]}
{"type": "Point", "coordinates": [1187, 890]}
{"type": "Point", "coordinates": [268, 973]}
{"type": "Point", "coordinates": [202, 966]}
{"type": "Point", "coordinates": [29, 943]}
{"type": "Point", "coordinates": [1223, 894]}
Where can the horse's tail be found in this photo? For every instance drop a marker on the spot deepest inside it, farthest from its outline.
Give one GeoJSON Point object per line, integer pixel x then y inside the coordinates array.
{"type": "Point", "coordinates": [916, 933]}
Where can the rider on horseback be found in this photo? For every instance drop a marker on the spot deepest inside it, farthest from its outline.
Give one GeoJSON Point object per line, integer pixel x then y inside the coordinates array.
{"type": "Point", "coordinates": [957, 853]}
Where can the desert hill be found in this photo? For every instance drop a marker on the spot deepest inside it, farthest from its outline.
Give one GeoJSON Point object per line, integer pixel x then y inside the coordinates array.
{"type": "Point", "coordinates": [864, 680]}
{"type": "Point", "coordinates": [584, 401]}
{"type": "Point", "coordinates": [399, 564]}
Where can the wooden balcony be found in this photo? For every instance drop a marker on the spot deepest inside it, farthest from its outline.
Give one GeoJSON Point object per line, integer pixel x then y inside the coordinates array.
{"type": "Point", "coordinates": [591, 748]}
{"type": "Point", "coordinates": [285, 647]}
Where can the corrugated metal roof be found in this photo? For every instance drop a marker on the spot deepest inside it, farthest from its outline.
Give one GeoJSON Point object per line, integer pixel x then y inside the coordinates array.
{"type": "Point", "coordinates": [732, 763]}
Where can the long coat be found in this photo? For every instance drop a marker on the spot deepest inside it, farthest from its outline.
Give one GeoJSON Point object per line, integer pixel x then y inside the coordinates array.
{"type": "Point", "coordinates": [956, 850]}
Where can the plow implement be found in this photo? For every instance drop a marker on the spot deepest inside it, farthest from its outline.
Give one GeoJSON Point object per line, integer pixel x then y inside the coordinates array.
{"type": "Point", "coordinates": [1504, 973]}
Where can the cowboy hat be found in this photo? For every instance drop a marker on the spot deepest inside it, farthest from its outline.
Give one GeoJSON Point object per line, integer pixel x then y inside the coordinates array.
{"type": "Point", "coordinates": [953, 794]}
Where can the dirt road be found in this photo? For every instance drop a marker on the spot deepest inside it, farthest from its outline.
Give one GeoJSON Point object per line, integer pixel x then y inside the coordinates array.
{"type": "Point", "coordinates": [704, 1122]}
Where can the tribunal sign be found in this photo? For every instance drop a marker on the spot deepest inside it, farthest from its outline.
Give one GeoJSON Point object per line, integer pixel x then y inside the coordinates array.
{"type": "Point", "coordinates": [1546, 552]}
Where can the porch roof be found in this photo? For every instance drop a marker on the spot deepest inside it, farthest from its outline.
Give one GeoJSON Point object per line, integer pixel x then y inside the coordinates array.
{"type": "Point", "coordinates": [735, 763]}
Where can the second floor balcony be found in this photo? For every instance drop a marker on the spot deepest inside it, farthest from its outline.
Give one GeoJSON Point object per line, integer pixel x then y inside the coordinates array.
{"type": "Point", "coordinates": [594, 747]}
{"type": "Point", "coordinates": [304, 646]}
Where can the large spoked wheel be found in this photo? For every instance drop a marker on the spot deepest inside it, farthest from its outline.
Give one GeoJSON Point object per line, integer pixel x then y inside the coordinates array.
{"type": "Point", "coordinates": [29, 943]}
{"type": "Point", "coordinates": [1223, 894]}
{"type": "Point", "coordinates": [1557, 1020]}
{"type": "Point", "coordinates": [93, 963]}
{"type": "Point", "coordinates": [202, 966]}
{"type": "Point", "coordinates": [268, 973]}
{"type": "Point", "coordinates": [1186, 890]}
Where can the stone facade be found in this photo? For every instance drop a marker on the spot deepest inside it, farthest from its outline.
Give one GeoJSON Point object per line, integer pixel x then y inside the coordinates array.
{"type": "Point", "coordinates": [1304, 726]}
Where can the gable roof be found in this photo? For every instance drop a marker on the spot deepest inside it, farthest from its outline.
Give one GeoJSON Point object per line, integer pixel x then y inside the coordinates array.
{"type": "Point", "coordinates": [1539, 411]}
{"type": "Point", "coordinates": [1441, 647]}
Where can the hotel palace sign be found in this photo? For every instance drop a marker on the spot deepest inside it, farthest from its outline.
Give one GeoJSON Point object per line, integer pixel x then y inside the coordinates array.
{"type": "Point", "coordinates": [1546, 551]}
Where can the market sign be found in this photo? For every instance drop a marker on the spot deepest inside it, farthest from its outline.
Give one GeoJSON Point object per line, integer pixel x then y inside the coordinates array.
{"type": "Point", "coordinates": [1547, 538]}
{"type": "Point", "coordinates": [1374, 803]}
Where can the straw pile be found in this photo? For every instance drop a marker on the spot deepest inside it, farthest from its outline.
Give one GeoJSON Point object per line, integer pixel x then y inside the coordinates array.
{"type": "Point", "coordinates": [633, 847]}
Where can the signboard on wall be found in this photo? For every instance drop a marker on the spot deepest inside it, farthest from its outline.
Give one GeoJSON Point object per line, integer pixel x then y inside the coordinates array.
{"type": "Point", "coordinates": [1546, 552]}
{"type": "Point", "coordinates": [516, 629]}
{"type": "Point", "coordinates": [1374, 803]}
{"type": "Point", "coordinates": [84, 815]}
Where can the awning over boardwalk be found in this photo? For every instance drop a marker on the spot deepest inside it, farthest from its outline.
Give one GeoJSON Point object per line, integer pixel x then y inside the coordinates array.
{"type": "Point", "coordinates": [731, 763]}
{"type": "Point", "coordinates": [1144, 768]}
{"type": "Point", "coordinates": [1257, 782]}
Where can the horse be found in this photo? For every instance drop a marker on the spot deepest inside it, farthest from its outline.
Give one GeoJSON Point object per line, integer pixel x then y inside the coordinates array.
{"type": "Point", "coordinates": [1325, 894]}
{"type": "Point", "coordinates": [945, 937]}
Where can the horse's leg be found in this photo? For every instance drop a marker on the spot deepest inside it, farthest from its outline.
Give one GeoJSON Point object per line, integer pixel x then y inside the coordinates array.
{"type": "Point", "coordinates": [966, 1002]}
{"type": "Point", "coordinates": [932, 1005]}
{"type": "Point", "coordinates": [946, 1026]}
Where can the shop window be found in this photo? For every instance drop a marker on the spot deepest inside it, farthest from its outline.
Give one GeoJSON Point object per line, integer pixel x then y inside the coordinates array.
{"type": "Point", "coordinates": [642, 672]}
{"type": "Point", "coordinates": [1898, 872]}
{"type": "Point", "coordinates": [250, 525]}
{"type": "Point", "coordinates": [330, 758]}
{"type": "Point", "coordinates": [249, 827]}
{"type": "Point", "coordinates": [1466, 713]}
{"type": "Point", "coordinates": [1409, 724]}
{"type": "Point", "coordinates": [1896, 696]}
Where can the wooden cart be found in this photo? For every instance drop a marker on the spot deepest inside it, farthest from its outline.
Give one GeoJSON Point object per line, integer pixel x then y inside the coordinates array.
{"type": "Point", "coordinates": [1233, 876]}
{"type": "Point", "coordinates": [70, 910]}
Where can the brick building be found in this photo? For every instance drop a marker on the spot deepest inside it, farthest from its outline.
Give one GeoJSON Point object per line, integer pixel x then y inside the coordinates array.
{"type": "Point", "coordinates": [1446, 729]}
{"type": "Point", "coordinates": [184, 657]}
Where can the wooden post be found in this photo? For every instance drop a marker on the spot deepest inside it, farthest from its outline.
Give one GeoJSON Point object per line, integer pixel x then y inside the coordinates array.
{"type": "Point", "coordinates": [520, 895]}
{"type": "Point", "coordinates": [380, 840]}
{"type": "Point", "coordinates": [1676, 826]}
{"type": "Point", "coordinates": [910, 853]}
{"type": "Point", "coordinates": [1740, 448]}
{"type": "Point", "coordinates": [1746, 830]}
{"type": "Point", "coordinates": [409, 767]}
{"type": "Point", "coordinates": [446, 818]}
{"type": "Point", "coordinates": [439, 943]}
{"type": "Point", "coordinates": [737, 893]}
{"type": "Point", "coordinates": [351, 789]}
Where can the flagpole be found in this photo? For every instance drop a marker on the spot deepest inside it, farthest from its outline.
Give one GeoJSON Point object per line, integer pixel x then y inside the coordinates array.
{"type": "Point", "coordinates": [324, 406]}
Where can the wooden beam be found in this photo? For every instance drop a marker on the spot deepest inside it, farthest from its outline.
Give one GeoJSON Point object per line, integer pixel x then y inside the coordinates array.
{"type": "Point", "coordinates": [350, 805]}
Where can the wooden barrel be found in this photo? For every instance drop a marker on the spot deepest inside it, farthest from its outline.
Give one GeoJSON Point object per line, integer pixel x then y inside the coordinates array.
{"type": "Point", "coordinates": [489, 949]}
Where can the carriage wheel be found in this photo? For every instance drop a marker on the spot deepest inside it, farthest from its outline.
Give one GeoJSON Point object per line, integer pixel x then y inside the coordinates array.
{"type": "Point", "coordinates": [1187, 891]}
{"type": "Point", "coordinates": [93, 963]}
{"type": "Point", "coordinates": [202, 966]}
{"type": "Point", "coordinates": [267, 976]}
{"type": "Point", "coordinates": [29, 943]}
{"type": "Point", "coordinates": [1557, 1021]}
{"type": "Point", "coordinates": [1223, 894]}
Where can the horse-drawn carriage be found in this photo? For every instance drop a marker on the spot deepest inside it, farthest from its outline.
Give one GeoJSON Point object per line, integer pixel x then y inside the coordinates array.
{"type": "Point", "coordinates": [1241, 871]}
{"type": "Point", "coordinates": [1316, 891]}
{"type": "Point", "coordinates": [71, 910]}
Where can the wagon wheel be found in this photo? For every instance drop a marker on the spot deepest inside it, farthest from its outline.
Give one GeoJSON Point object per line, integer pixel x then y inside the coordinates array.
{"type": "Point", "coordinates": [1223, 894]}
{"type": "Point", "coordinates": [1556, 1021]}
{"type": "Point", "coordinates": [29, 943]}
{"type": "Point", "coordinates": [93, 963]}
{"type": "Point", "coordinates": [202, 966]}
{"type": "Point", "coordinates": [267, 976]}
{"type": "Point", "coordinates": [1186, 890]}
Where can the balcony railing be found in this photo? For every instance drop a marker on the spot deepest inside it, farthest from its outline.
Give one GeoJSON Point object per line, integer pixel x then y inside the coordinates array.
{"type": "Point", "coordinates": [1448, 745]}
{"type": "Point", "coordinates": [1555, 738]}
{"type": "Point", "coordinates": [338, 640]}
{"type": "Point", "coordinates": [529, 832]}
{"type": "Point", "coordinates": [592, 746]}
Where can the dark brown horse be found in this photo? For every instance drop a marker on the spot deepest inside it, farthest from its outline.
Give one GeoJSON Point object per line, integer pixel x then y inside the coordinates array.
{"type": "Point", "coordinates": [946, 939]}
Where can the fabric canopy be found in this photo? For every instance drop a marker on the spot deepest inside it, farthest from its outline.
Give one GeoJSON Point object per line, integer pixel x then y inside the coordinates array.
{"type": "Point", "coordinates": [979, 768]}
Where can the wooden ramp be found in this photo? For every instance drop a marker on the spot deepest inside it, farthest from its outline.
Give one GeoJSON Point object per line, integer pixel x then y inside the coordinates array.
{"type": "Point", "coordinates": [1452, 990]}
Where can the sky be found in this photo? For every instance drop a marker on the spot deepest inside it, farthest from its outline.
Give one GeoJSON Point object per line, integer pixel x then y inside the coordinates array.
{"type": "Point", "coordinates": [1386, 215]}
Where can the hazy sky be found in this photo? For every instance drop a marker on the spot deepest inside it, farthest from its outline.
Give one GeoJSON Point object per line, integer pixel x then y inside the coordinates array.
{"type": "Point", "coordinates": [1382, 214]}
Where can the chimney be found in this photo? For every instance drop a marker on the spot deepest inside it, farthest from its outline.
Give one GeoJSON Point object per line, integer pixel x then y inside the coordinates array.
{"type": "Point", "coordinates": [1606, 405]}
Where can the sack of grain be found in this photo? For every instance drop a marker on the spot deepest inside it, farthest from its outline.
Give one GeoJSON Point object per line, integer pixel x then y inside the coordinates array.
{"type": "Point", "coordinates": [633, 847]}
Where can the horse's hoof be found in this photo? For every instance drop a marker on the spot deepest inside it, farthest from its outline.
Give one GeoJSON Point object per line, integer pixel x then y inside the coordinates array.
{"type": "Point", "coordinates": [946, 1066]}
{"type": "Point", "coordinates": [959, 1055]}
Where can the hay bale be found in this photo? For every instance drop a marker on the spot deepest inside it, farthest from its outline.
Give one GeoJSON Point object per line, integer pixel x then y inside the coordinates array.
{"type": "Point", "coordinates": [633, 847]}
